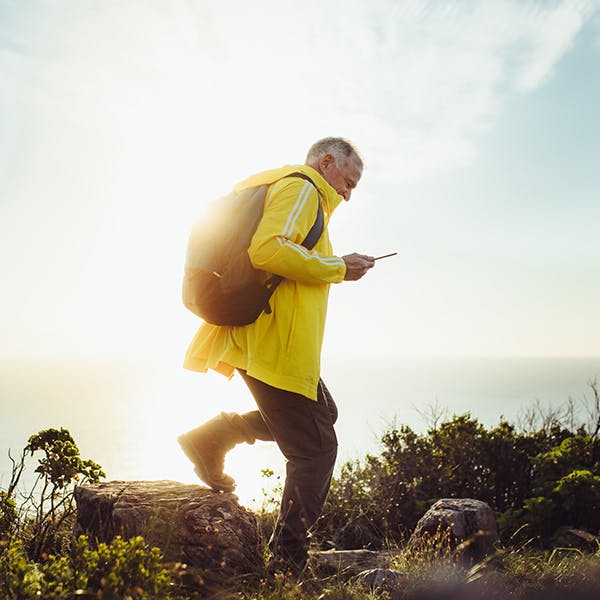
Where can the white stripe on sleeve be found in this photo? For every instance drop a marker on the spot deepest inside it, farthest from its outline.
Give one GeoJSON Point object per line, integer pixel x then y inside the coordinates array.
{"type": "Point", "coordinates": [329, 260]}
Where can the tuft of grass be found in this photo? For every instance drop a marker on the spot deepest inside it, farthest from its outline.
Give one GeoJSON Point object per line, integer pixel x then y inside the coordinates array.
{"type": "Point", "coordinates": [561, 567]}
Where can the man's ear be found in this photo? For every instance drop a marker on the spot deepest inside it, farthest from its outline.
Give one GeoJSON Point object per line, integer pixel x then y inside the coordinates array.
{"type": "Point", "coordinates": [326, 161]}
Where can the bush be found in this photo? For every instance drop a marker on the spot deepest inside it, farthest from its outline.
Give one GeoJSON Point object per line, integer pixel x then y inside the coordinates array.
{"type": "Point", "coordinates": [8, 514]}
{"type": "Point", "coordinates": [48, 508]}
{"type": "Point", "coordinates": [537, 481]}
{"type": "Point", "coordinates": [39, 558]}
{"type": "Point", "coordinates": [122, 569]}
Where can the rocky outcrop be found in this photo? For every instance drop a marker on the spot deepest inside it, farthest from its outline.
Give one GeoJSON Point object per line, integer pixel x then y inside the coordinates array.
{"type": "Point", "coordinates": [208, 530]}
{"type": "Point", "coordinates": [469, 526]}
{"type": "Point", "coordinates": [349, 561]}
{"type": "Point", "coordinates": [368, 569]}
{"type": "Point", "coordinates": [191, 524]}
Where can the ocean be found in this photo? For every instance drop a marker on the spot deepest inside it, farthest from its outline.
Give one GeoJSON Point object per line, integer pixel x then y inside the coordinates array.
{"type": "Point", "coordinates": [126, 415]}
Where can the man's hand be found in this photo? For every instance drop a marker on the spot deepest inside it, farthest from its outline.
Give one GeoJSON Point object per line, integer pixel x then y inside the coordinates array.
{"type": "Point", "coordinates": [357, 265]}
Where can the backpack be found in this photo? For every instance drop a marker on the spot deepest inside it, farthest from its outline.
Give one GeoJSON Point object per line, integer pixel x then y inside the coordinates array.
{"type": "Point", "coordinates": [220, 284]}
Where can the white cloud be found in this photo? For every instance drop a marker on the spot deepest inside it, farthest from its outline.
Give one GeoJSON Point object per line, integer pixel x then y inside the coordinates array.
{"type": "Point", "coordinates": [109, 111]}
{"type": "Point", "coordinates": [546, 35]}
{"type": "Point", "coordinates": [442, 73]}
{"type": "Point", "coordinates": [416, 79]}
{"type": "Point", "coordinates": [595, 25]}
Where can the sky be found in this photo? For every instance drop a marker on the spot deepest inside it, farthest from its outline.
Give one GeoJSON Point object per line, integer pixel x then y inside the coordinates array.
{"type": "Point", "coordinates": [120, 121]}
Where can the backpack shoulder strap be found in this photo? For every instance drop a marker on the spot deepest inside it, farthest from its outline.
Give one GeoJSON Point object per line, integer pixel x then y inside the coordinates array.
{"type": "Point", "coordinates": [312, 237]}
{"type": "Point", "coordinates": [316, 230]}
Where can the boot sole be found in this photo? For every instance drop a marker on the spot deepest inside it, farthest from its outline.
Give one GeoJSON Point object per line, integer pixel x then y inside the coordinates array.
{"type": "Point", "coordinates": [200, 467]}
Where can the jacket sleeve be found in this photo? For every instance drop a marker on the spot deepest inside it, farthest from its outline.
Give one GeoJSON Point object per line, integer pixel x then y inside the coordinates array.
{"type": "Point", "coordinates": [290, 211]}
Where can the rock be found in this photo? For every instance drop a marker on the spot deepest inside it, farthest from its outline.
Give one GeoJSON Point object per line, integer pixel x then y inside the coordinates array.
{"type": "Point", "coordinates": [470, 524]}
{"type": "Point", "coordinates": [191, 524]}
{"type": "Point", "coordinates": [350, 561]}
{"type": "Point", "coordinates": [571, 537]}
{"type": "Point", "coordinates": [382, 580]}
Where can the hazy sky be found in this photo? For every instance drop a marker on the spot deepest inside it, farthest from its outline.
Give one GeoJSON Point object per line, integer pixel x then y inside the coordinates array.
{"type": "Point", "coordinates": [479, 122]}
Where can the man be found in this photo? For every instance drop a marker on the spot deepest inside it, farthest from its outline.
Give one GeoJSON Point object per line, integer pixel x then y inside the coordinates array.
{"type": "Point", "coordinates": [278, 355]}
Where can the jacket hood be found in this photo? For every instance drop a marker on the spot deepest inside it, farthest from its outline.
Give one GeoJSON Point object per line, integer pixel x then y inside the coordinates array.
{"type": "Point", "coordinates": [327, 193]}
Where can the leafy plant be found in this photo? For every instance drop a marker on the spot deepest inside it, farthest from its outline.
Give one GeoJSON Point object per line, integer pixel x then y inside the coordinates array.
{"type": "Point", "coordinates": [123, 569]}
{"type": "Point", "coordinates": [8, 513]}
{"type": "Point", "coordinates": [537, 480]}
{"type": "Point", "coordinates": [49, 505]}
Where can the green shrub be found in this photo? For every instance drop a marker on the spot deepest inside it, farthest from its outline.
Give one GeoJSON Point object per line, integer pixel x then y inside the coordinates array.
{"type": "Point", "coordinates": [536, 481]}
{"type": "Point", "coordinates": [8, 514]}
{"type": "Point", "coordinates": [48, 509]}
{"type": "Point", "coordinates": [61, 465]}
{"type": "Point", "coordinates": [123, 569]}
{"type": "Point", "coordinates": [20, 579]}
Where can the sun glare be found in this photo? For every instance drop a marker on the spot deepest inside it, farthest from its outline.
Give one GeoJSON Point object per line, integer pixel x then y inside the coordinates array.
{"type": "Point", "coordinates": [182, 402]}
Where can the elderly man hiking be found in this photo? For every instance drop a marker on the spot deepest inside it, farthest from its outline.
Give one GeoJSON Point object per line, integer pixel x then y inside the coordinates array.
{"type": "Point", "coordinates": [279, 354]}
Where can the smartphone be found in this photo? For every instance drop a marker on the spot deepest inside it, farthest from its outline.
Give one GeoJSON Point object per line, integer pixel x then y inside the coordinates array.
{"type": "Point", "coordinates": [386, 255]}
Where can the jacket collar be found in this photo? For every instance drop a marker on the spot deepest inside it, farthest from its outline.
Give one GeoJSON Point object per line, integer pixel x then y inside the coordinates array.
{"type": "Point", "coordinates": [328, 194]}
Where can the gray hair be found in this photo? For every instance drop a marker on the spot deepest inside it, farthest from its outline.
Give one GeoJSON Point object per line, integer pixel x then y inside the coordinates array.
{"type": "Point", "coordinates": [339, 148]}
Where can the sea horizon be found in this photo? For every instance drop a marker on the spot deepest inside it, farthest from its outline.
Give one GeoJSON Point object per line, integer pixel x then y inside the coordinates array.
{"type": "Point", "coordinates": [126, 415]}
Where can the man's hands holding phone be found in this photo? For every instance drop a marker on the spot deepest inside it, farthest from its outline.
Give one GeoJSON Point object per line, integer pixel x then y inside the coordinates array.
{"type": "Point", "coordinates": [357, 265]}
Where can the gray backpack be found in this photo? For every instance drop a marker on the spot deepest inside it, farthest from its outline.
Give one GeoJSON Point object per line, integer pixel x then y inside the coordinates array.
{"type": "Point", "coordinates": [220, 284]}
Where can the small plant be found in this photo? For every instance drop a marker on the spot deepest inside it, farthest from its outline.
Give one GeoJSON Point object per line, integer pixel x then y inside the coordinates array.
{"type": "Point", "coordinates": [48, 507]}
{"type": "Point", "coordinates": [269, 509]}
{"type": "Point", "coordinates": [8, 514]}
{"type": "Point", "coordinates": [128, 570]}
{"type": "Point", "coordinates": [121, 568]}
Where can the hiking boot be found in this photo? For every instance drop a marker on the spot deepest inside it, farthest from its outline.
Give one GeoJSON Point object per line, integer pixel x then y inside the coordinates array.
{"type": "Point", "coordinates": [206, 447]}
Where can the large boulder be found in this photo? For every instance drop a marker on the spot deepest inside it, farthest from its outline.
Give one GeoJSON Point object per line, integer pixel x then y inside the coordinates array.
{"type": "Point", "coordinates": [191, 524]}
{"type": "Point", "coordinates": [467, 525]}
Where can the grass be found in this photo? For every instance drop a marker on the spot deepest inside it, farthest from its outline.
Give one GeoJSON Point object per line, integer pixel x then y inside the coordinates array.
{"type": "Point", "coordinates": [435, 571]}
{"type": "Point", "coordinates": [37, 559]}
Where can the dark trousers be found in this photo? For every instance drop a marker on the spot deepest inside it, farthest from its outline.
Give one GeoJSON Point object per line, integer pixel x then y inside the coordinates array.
{"type": "Point", "coordinates": [303, 430]}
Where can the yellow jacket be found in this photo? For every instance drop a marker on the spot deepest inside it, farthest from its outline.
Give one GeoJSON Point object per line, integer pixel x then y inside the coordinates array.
{"type": "Point", "coordinates": [282, 348]}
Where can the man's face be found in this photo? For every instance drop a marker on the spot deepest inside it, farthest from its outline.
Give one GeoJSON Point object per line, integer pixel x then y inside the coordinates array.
{"type": "Point", "coordinates": [342, 177]}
